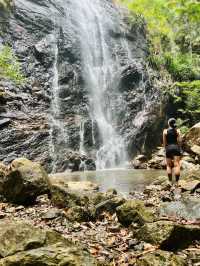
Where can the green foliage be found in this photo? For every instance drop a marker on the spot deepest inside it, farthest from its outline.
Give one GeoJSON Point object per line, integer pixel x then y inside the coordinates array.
{"type": "Point", "coordinates": [186, 97]}
{"type": "Point", "coordinates": [182, 125]}
{"type": "Point", "coordinates": [9, 66]}
{"type": "Point", "coordinates": [173, 28]}
{"type": "Point", "coordinates": [180, 66]}
{"type": "Point", "coordinates": [6, 4]}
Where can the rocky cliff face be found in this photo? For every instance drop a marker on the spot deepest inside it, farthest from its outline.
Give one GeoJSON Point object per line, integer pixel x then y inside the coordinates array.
{"type": "Point", "coordinates": [41, 120]}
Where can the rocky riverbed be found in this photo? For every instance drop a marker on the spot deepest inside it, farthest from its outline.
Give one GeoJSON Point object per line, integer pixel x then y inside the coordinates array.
{"type": "Point", "coordinates": [58, 222]}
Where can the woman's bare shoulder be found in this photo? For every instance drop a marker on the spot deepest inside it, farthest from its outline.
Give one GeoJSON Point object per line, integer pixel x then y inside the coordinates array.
{"type": "Point", "coordinates": [165, 131]}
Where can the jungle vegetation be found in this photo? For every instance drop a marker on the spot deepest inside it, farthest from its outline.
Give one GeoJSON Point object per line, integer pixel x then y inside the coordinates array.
{"type": "Point", "coordinates": [173, 28]}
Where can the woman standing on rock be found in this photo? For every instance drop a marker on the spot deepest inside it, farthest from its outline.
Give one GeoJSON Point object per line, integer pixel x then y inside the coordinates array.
{"type": "Point", "coordinates": [172, 145]}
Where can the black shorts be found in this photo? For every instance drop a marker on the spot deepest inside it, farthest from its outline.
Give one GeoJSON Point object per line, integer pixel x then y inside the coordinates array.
{"type": "Point", "coordinates": [172, 150]}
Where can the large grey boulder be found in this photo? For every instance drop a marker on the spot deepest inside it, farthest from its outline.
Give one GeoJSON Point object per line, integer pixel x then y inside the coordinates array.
{"type": "Point", "coordinates": [24, 182]}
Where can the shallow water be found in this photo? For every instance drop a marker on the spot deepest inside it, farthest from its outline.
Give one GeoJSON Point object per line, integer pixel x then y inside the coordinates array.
{"type": "Point", "coordinates": [124, 181]}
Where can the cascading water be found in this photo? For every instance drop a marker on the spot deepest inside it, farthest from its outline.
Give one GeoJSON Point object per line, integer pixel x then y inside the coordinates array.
{"type": "Point", "coordinates": [100, 72]}
{"type": "Point", "coordinates": [58, 134]}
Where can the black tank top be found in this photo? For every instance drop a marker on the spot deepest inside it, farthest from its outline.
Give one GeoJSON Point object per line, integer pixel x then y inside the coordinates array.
{"type": "Point", "coordinates": [171, 136]}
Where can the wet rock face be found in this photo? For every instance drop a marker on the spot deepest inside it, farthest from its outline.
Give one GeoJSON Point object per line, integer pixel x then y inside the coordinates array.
{"type": "Point", "coordinates": [34, 29]}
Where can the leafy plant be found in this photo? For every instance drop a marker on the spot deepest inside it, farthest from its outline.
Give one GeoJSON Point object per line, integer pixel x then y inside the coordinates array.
{"type": "Point", "coordinates": [5, 4]}
{"type": "Point", "coordinates": [186, 97]}
{"type": "Point", "coordinates": [9, 66]}
{"type": "Point", "coordinates": [174, 30]}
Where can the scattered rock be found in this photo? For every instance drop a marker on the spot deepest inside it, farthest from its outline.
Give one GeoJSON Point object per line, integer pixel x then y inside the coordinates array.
{"type": "Point", "coordinates": [168, 235]}
{"type": "Point", "coordinates": [51, 214]}
{"type": "Point", "coordinates": [109, 205]}
{"type": "Point", "coordinates": [79, 214]}
{"type": "Point", "coordinates": [160, 257]}
{"type": "Point", "coordinates": [134, 211]}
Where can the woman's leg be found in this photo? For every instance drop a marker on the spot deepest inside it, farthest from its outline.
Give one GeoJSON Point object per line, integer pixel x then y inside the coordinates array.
{"type": "Point", "coordinates": [169, 168]}
{"type": "Point", "coordinates": [177, 167]}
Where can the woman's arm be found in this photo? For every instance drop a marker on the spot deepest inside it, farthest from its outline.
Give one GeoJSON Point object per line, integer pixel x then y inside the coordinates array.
{"type": "Point", "coordinates": [179, 138]}
{"type": "Point", "coordinates": [164, 138]}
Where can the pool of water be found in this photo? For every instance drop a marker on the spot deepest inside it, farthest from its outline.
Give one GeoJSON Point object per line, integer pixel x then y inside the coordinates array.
{"type": "Point", "coordinates": [124, 181]}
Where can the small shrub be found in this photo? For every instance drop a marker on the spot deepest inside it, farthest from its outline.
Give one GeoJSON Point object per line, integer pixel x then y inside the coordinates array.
{"type": "Point", "coordinates": [9, 66]}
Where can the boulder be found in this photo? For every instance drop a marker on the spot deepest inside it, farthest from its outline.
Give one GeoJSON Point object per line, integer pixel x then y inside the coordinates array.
{"type": "Point", "coordinates": [81, 198]}
{"type": "Point", "coordinates": [3, 168]}
{"type": "Point", "coordinates": [134, 211]}
{"type": "Point", "coordinates": [79, 214]}
{"type": "Point", "coordinates": [23, 184]}
{"type": "Point", "coordinates": [160, 257]}
{"type": "Point", "coordinates": [196, 149]}
{"type": "Point", "coordinates": [65, 193]}
{"type": "Point", "coordinates": [192, 137]}
{"type": "Point", "coordinates": [17, 236]}
{"type": "Point", "coordinates": [189, 166]}
{"type": "Point", "coordinates": [158, 159]}
{"type": "Point", "coordinates": [140, 162]}
{"type": "Point", "coordinates": [168, 235]}
{"type": "Point", "coordinates": [15, 164]}
{"type": "Point", "coordinates": [109, 205]}
{"type": "Point", "coordinates": [51, 255]}
{"type": "Point", "coordinates": [191, 185]}
{"type": "Point", "coordinates": [190, 182]}
{"type": "Point", "coordinates": [23, 244]}
{"type": "Point", "coordinates": [188, 209]}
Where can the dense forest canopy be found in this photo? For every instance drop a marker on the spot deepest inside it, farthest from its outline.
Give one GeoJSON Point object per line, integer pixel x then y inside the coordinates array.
{"type": "Point", "coordinates": [173, 28]}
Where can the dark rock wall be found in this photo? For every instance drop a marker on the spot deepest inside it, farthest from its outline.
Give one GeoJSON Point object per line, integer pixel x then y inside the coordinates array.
{"type": "Point", "coordinates": [31, 30]}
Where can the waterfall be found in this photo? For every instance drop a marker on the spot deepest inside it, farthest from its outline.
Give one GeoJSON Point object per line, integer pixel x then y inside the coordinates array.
{"type": "Point", "coordinates": [58, 133]}
{"type": "Point", "coordinates": [81, 149]}
{"type": "Point", "coordinates": [100, 72]}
